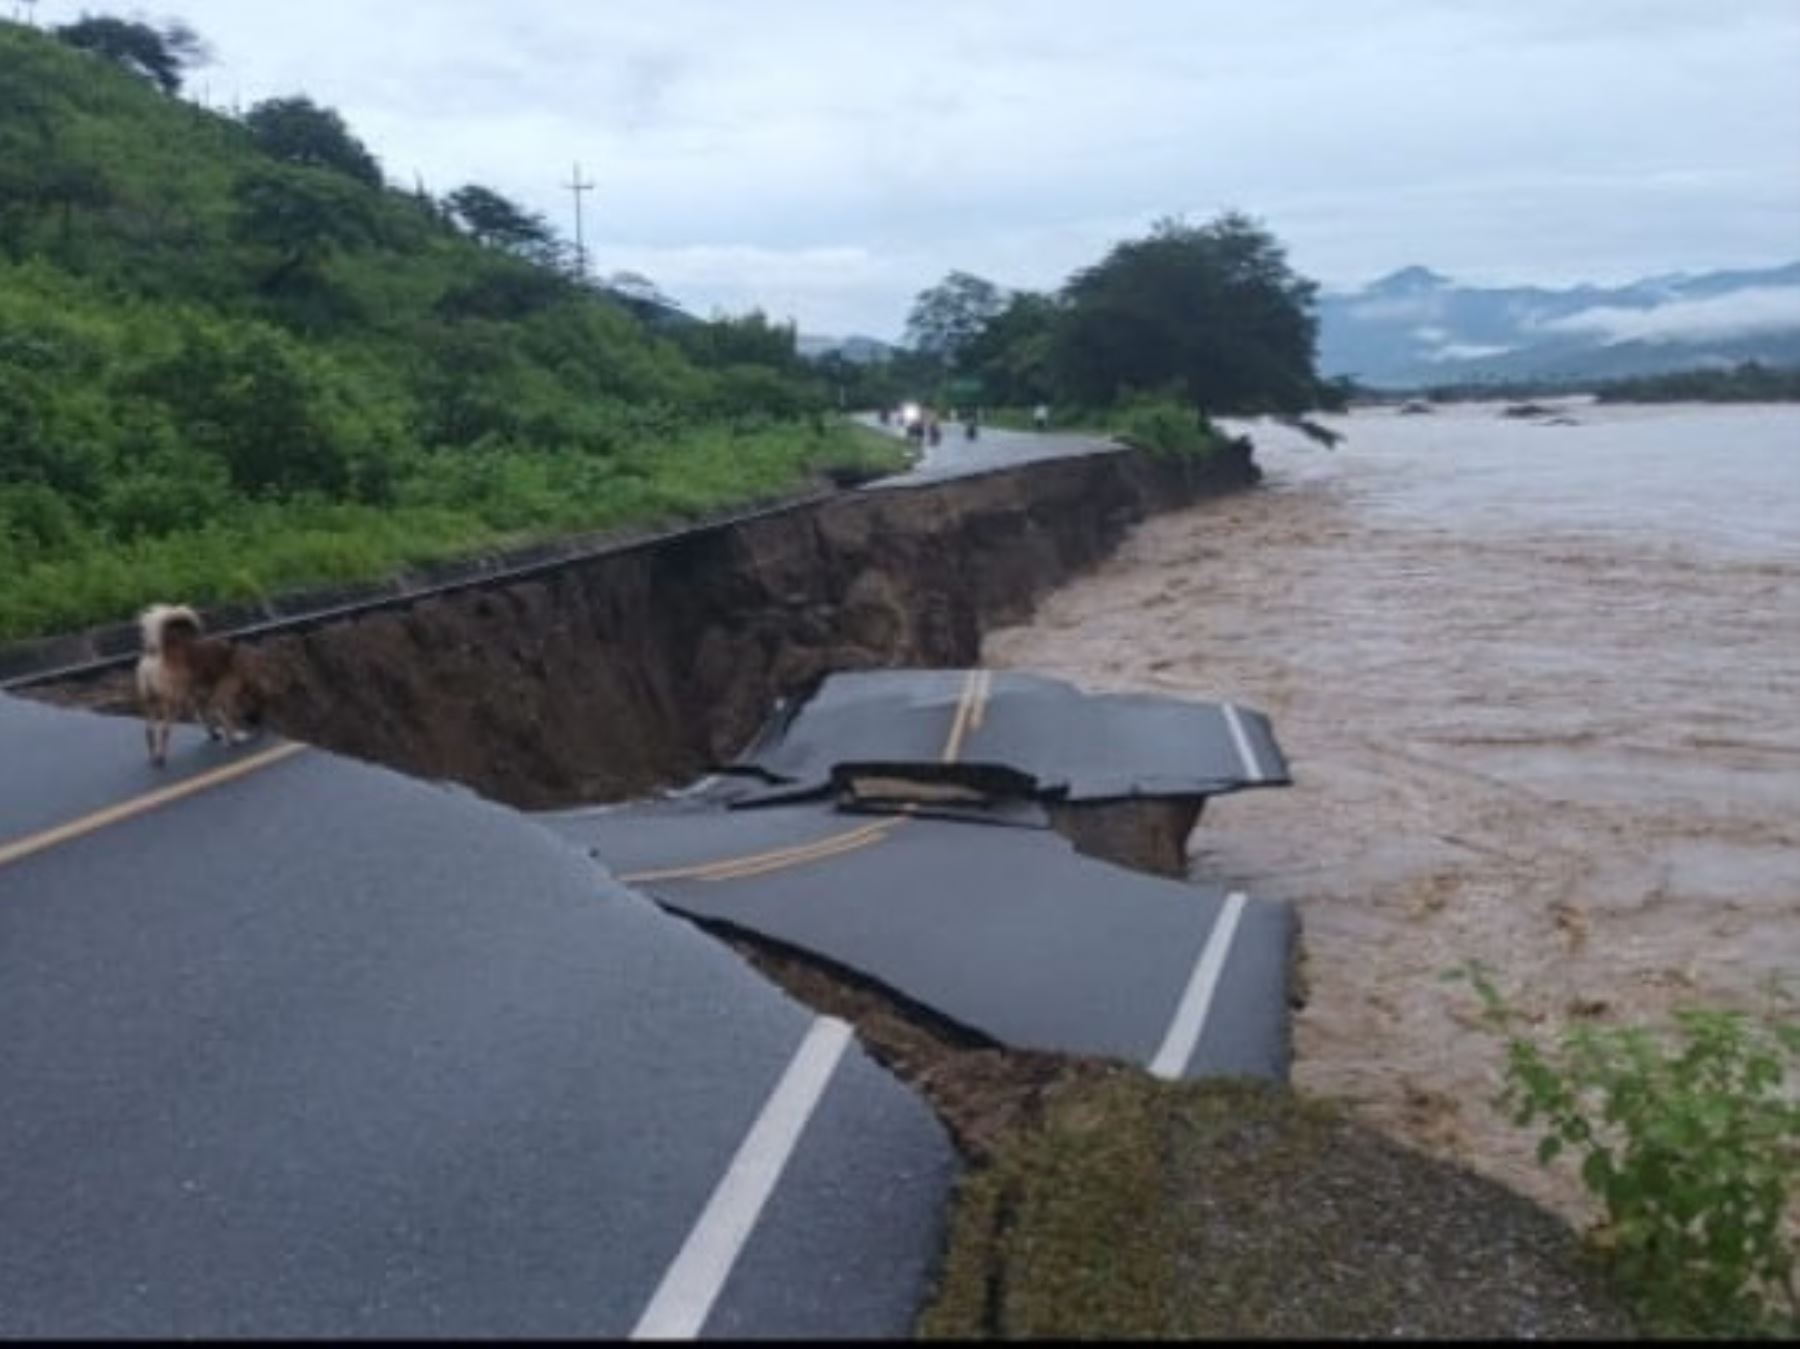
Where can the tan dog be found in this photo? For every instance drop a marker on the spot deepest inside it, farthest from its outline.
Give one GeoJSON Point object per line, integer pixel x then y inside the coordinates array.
{"type": "Point", "coordinates": [181, 670]}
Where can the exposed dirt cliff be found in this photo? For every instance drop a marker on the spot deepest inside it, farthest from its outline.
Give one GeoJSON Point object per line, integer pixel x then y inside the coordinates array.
{"type": "Point", "coordinates": [610, 675]}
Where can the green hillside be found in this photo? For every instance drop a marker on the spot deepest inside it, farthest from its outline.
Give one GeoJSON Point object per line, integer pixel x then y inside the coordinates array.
{"type": "Point", "coordinates": [232, 361]}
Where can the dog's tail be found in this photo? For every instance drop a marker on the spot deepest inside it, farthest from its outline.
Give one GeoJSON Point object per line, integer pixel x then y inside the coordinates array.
{"type": "Point", "coordinates": [164, 623]}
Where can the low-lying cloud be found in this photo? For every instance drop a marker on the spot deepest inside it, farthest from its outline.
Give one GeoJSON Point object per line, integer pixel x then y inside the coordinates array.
{"type": "Point", "coordinates": [1741, 314]}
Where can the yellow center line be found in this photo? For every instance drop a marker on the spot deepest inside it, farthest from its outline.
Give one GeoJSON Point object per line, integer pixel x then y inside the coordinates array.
{"type": "Point", "coordinates": [137, 805]}
{"type": "Point", "coordinates": [797, 852]}
{"type": "Point", "coordinates": [959, 725]}
{"type": "Point", "coordinates": [969, 706]}
{"type": "Point", "coordinates": [842, 845]}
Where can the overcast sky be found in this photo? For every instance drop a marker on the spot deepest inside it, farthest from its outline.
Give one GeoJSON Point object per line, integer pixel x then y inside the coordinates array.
{"type": "Point", "coordinates": [826, 159]}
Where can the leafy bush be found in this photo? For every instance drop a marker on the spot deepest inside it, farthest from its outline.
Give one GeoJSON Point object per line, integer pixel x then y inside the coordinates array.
{"type": "Point", "coordinates": [1163, 424]}
{"type": "Point", "coordinates": [1691, 1144]}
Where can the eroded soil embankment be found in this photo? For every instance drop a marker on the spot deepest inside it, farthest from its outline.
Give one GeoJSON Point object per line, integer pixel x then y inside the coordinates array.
{"type": "Point", "coordinates": [618, 673]}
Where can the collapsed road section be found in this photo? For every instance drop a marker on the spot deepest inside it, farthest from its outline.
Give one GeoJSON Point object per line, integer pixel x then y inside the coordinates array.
{"type": "Point", "coordinates": [608, 674]}
{"type": "Point", "coordinates": [895, 825]}
{"type": "Point", "coordinates": [299, 1047]}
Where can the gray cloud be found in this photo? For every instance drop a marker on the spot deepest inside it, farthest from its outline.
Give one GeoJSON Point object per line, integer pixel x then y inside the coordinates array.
{"type": "Point", "coordinates": [847, 155]}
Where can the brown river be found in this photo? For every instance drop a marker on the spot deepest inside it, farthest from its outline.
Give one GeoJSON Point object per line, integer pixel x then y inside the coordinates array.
{"type": "Point", "coordinates": [1539, 686]}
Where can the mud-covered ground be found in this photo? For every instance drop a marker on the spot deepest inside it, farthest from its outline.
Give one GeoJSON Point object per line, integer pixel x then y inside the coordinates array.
{"type": "Point", "coordinates": [1531, 720]}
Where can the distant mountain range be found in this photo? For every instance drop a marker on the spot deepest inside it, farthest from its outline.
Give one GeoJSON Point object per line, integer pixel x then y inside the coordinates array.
{"type": "Point", "coordinates": [1416, 328]}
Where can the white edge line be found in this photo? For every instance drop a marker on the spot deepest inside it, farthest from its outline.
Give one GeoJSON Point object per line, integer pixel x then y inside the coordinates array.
{"type": "Point", "coordinates": [1245, 751]}
{"type": "Point", "coordinates": [1196, 1000]}
{"type": "Point", "coordinates": [683, 1300]}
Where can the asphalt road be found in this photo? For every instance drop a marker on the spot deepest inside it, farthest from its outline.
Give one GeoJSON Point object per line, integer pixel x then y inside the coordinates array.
{"type": "Point", "coordinates": [955, 455]}
{"type": "Point", "coordinates": [310, 1048]}
{"type": "Point", "coordinates": [297, 1046]}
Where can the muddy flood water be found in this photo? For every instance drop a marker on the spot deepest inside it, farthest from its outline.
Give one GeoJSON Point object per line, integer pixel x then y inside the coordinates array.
{"type": "Point", "coordinates": [1539, 688]}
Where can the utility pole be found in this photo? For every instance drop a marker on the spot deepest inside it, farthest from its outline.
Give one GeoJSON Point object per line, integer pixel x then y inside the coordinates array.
{"type": "Point", "coordinates": [30, 7]}
{"type": "Point", "coordinates": [576, 186]}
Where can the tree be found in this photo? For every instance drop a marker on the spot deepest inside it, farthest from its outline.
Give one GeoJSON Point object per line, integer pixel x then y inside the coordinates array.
{"type": "Point", "coordinates": [298, 131]}
{"type": "Point", "coordinates": [948, 316]}
{"type": "Point", "coordinates": [747, 339]}
{"type": "Point", "coordinates": [504, 289]}
{"type": "Point", "coordinates": [139, 49]}
{"type": "Point", "coordinates": [1012, 352]}
{"type": "Point", "coordinates": [304, 215]}
{"type": "Point", "coordinates": [1212, 309]}
{"type": "Point", "coordinates": [491, 220]}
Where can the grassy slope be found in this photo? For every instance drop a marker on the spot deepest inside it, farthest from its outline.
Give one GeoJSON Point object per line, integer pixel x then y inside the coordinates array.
{"type": "Point", "coordinates": [171, 427]}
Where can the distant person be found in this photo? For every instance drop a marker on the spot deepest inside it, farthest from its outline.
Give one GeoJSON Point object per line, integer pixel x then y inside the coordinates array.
{"type": "Point", "coordinates": [1040, 417]}
{"type": "Point", "coordinates": [934, 432]}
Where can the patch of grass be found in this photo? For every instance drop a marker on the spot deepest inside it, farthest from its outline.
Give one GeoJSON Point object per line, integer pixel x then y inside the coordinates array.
{"type": "Point", "coordinates": [1160, 423]}
{"type": "Point", "coordinates": [1065, 1232]}
{"type": "Point", "coordinates": [453, 504]}
{"type": "Point", "coordinates": [1140, 1209]}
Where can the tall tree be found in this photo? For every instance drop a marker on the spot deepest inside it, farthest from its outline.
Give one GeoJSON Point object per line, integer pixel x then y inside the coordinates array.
{"type": "Point", "coordinates": [298, 131]}
{"type": "Point", "coordinates": [491, 219]}
{"type": "Point", "coordinates": [303, 216]}
{"type": "Point", "coordinates": [1012, 353]}
{"type": "Point", "coordinates": [1212, 309]}
{"type": "Point", "coordinates": [743, 339]}
{"type": "Point", "coordinates": [159, 57]}
{"type": "Point", "coordinates": [949, 316]}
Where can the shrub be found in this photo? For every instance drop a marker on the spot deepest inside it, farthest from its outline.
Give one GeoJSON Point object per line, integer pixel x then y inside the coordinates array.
{"type": "Point", "coordinates": [1164, 424]}
{"type": "Point", "coordinates": [1690, 1143]}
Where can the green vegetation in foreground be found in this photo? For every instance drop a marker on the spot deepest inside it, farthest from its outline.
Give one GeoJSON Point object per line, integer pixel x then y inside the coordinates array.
{"type": "Point", "coordinates": [466, 504]}
{"type": "Point", "coordinates": [234, 360]}
{"type": "Point", "coordinates": [1690, 1143]}
{"type": "Point", "coordinates": [1139, 1209]}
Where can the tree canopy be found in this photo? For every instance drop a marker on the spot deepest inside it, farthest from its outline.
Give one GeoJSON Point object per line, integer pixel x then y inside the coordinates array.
{"type": "Point", "coordinates": [1212, 309]}
{"type": "Point", "coordinates": [304, 216]}
{"type": "Point", "coordinates": [490, 219]}
{"type": "Point", "coordinates": [298, 131]}
{"type": "Point", "coordinates": [1012, 353]}
{"type": "Point", "coordinates": [157, 56]}
{"type": "Point", "coordinates": [950, 315]}
{"type": "Point", "coordinates": [1211, 314]}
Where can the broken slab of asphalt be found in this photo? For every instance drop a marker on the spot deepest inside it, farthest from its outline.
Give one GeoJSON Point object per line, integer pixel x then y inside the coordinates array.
{"type": "Point", "coordinates": [932, 870]}
{"type": "Point", "coordinates": [1075, 746]}
{"type": "Point", "coordinates": [1004, 930]}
